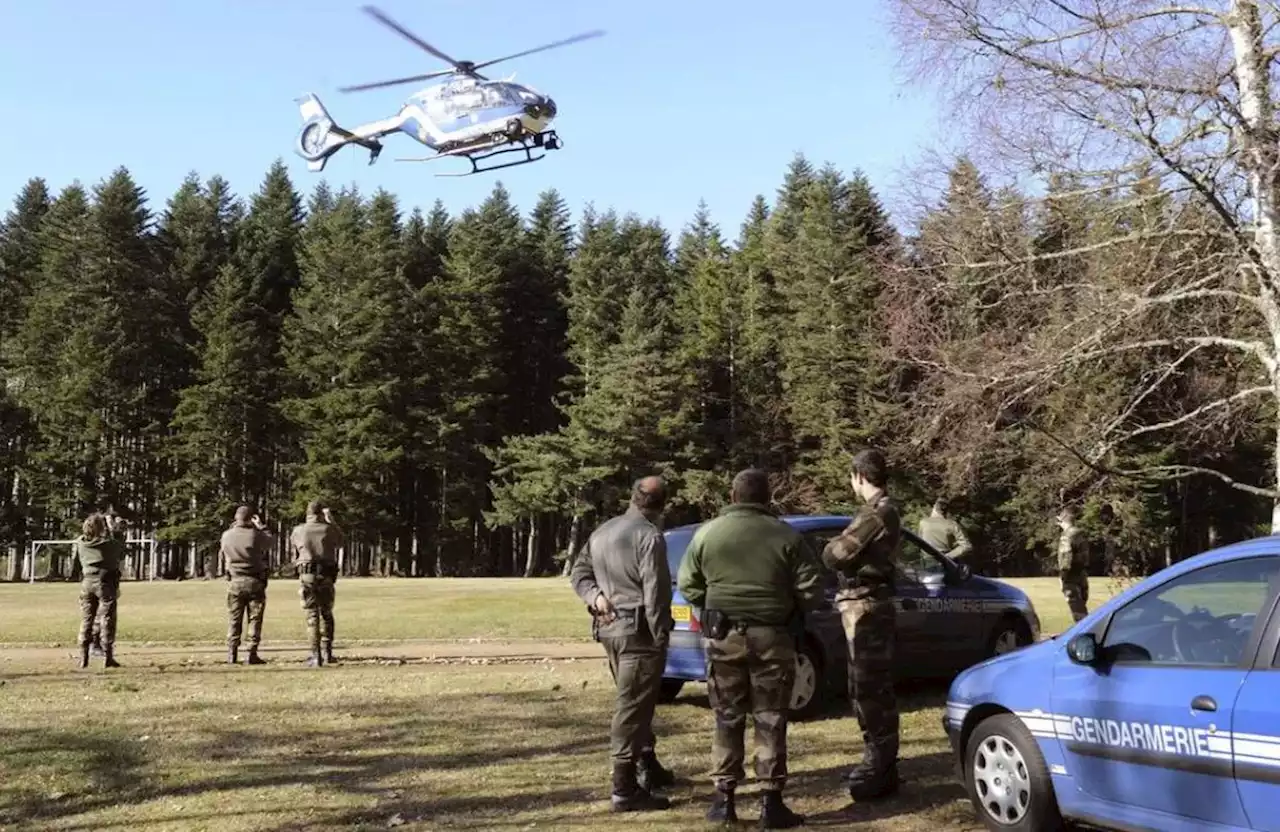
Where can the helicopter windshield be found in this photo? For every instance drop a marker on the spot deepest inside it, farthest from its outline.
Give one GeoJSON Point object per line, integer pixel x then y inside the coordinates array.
{"type": "Point", "coordinates": [498, 95]}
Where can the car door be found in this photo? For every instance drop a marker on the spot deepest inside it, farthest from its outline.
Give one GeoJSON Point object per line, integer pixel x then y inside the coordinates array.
{"type": "Point", "coordinates": [1255, 731]}
{"type": "Point", "coordinates": [1147, 725]}
{"type": "Point", "coordinates": [827, 620]}
{"type": "Point", "coordinates": [943, 620]}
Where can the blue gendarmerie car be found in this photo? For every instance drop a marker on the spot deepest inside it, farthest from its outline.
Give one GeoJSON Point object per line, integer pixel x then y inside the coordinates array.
{"type": "Point", "coordinates": [948, 620]}
{"type": "Point", "coordinates": [1160, 710]}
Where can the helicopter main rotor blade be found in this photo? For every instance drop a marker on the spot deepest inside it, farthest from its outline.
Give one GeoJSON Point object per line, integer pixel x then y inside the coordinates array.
{"type": "Point", "coordinates": [410, 80]}
{"type": "Point", "coordinates": [575, 39]}
{"type": "Point", "coordinates": [378, 15]}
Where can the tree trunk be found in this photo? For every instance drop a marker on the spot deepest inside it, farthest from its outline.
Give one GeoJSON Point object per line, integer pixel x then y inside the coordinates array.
{"type": "Point", "coordinates": [575, 531]}
{"type": "Point", "coordinates": [531, 549]}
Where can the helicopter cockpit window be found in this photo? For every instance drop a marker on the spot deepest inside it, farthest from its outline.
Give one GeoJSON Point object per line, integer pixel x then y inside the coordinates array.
{"type": "Point", "coordinates": [497, 96]}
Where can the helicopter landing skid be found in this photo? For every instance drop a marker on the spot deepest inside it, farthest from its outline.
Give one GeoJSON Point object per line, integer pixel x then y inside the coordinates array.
{"type": "Point", "coordinates": [547, 140]}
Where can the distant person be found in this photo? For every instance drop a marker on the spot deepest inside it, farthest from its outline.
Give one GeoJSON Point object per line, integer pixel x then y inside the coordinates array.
{"type": "Point", "coordinates": [246, 548]}
{"type": "Point", "coordinates": [623, 577]}
{"type": "Point", "coordinates": [1073, 563]}
{"type": "Point", "coordinates": [315, 544]}
{"type": "Point", "coordinates": [99, 551]}
{"type": "Point", "coordinates": [755, 578]}
{"type": "Point", "coordinates": [943, 533]}
{"type": "Point", "coordinates": [118, 527]}
{"type": "Point", "coordinates": [863, 557]}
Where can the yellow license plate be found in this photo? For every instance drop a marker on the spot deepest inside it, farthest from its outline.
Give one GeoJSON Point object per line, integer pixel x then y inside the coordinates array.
{"type": "Point", "coordinates": [680, 613]}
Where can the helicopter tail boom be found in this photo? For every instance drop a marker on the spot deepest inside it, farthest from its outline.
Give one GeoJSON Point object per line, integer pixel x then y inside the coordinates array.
{"type": "Point", "coordinates": [321, 137]}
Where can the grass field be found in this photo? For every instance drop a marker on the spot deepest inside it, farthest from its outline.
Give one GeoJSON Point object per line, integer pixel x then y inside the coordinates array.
{"type": "Point", "coordinates": [368, 610]}
{"type": "Point", "coordinates": [370, 744]}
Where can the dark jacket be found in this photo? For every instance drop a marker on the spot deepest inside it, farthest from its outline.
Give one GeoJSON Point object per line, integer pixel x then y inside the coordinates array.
{"type": "Point", "coordinates": [99, 555]}
{"type": "Point", "coordinates": [626, 559]}
{"type": "Point", "coordinates": [751, 566]}
{"type": "Point", "coordinates": [247, 550]}
{"type": "Point", "coordinates": [316, 541]}
{"type": "Point", "coordinates": [865, 553]}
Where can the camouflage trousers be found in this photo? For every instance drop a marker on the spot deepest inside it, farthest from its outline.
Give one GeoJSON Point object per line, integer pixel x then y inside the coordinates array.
{"type": "Point", "coordinates": [751, 670]}
{"type": "Point", "coordinates": [98, 594]}
{"type": "Point", "coordinates": [636, 664]}
{"type": "Point", "coordinates": [317, 594]}
{"type": "Point", "coordinates": [245, 594]}
{"type": "Point", "coordinates": [870, 627]}
{"type": "Point", "coordinates": [1076, 590]}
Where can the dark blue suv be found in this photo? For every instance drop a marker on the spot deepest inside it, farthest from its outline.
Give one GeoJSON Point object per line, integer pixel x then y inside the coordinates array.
{"type": "Point", "coordinates": [948, 620]}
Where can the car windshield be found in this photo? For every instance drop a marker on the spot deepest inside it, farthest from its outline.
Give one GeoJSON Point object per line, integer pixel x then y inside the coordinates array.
{"type": "Point", "coordinates": [677, 542]}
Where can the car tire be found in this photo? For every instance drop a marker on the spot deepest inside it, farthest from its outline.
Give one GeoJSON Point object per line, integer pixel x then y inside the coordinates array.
{"type": "Point", "coordinates": [669, 690]}
{"type": "Point", "coordinates": [1008, 635]}
{"type": "Point", "coordinates": [808, 695]}
{"type": "Point", "coordinates": [1007, 779]}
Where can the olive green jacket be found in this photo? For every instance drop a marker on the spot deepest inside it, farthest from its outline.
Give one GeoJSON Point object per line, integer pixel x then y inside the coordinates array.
{"type": "Point", "coordinates": [751, 566]}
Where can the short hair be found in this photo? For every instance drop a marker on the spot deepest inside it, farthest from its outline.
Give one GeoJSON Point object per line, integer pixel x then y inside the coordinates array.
{"type": "Point", "coordinates": [872, 466]}
{"type": "Point", "coordinates": [315, 508]}
{"type": "Point", "coordinates": [649, 493]}
{"type": "Point", "coordinates": [95, 526]}
{"type": "Point", "coordinates": [751, 486]}
{"type": "Point", "coordinates": [243, 513]}
{"type": "Point", "coordinates": [942, 503]}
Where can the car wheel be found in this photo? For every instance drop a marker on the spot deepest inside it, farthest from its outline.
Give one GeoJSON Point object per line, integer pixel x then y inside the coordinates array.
{"type": "Point", "coordinates": [669, 690]}
{"type": "Point", "coordinates": [807, 692]}
{"type": "Point", "coordinates": [1009, 635]}
{"type": "Point", "coordinates": [1007, 778]}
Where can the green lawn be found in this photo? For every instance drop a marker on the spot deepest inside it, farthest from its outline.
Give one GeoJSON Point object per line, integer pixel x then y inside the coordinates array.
{"type": "Point", "coordinates": [178, 741]}
{"type": "Point", "coordinates": [368, 610]}
{"type": "Point", "coordinates": [283, 747]}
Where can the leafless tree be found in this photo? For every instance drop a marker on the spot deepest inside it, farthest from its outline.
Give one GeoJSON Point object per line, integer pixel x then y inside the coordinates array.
{"type": "Point", "coordinates": [1118, 93]}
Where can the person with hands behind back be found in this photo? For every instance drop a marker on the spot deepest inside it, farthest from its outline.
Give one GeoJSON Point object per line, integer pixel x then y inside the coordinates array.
{"type": "Point", "coordinates": [623, 577]}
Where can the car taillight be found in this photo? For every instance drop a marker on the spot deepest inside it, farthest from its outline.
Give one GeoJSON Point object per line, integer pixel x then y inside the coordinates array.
{"type": "Point", "coordinates": [694, 626]}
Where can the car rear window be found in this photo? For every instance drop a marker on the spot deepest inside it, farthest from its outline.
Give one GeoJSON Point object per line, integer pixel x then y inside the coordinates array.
{"type": "Point", "coordinates": [677, 542]}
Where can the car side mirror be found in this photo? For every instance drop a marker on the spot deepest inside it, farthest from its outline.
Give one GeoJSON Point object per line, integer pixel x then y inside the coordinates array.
{"type": "Point", "coordinates": [1083, 649]}
{"type": "Point", "coordinates": [957, 573]}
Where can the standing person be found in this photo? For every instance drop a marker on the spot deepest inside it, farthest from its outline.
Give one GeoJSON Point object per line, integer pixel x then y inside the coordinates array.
{"type": "Point", "coordinates": [246, 548]}
{"type": "Point", "coordinates": [117, 527]}
{"type": "Point", "coordinates": [1073, 563]}
{"type": "Point", "coordinates": [862, 556]}
{"type": "Point", "coordinates": [623, 577]}
{"type": "Point", "coordinates": [944, 534]}
{"type": "Point", "coordinates": [316, 543]}
{"type": "Point", "coordinates": [99, 551]}
{"type": "Point", "coordinates": [754, 577]}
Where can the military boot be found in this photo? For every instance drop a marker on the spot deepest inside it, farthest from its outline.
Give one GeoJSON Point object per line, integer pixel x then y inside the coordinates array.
{"type": "Point", "coordinates": [328, 653]}
{"type": "Point", "coordinates": [774, 814]}
{"type": "Point", "coordinates": [864, 784]}
{"type": "Point", "coordinates": [253, 657]}
{"type": "Point", "coordinates": [628, 796]}
{"type": "Point", "coordinates": [722, 809]}
{"type": "Point", "coordinates": [317, 658]}
{"type": "Point", "coordinates": [650, 773]}
{"type": "Point", "coordinates": [110, 661]}
{"type": "Point", "coordinates": [84, 656]}
{"type": "Point", "coordinates": [232, 656]}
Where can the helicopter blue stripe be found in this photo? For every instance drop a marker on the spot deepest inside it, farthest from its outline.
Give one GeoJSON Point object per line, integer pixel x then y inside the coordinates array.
{"type": "Point", "coordinates": [485, 115]}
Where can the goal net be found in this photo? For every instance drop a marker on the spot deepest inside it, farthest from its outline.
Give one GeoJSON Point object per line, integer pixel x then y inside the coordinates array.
{"type": "Point", "coordinates": [52, 560]}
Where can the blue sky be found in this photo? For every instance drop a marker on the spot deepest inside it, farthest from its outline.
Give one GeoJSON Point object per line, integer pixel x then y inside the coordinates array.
{"type": "Point", "coordinates": [680, 101]}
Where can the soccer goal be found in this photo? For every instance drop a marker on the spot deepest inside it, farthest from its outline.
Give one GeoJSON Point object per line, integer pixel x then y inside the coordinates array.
{"type": "Point", "coordinates": [46, 558]}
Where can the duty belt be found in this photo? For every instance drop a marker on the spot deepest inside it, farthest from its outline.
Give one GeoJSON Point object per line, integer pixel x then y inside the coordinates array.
{"type": "Point", "coordinates": [311, 567]}
{"type": "Point", "coordinates": [874, 589]}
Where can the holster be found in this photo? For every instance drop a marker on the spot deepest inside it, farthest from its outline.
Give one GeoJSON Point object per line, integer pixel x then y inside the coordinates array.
{"type": "Point", "coordinates": [716, 624]}
{"type": "Point", "coordinates": [864, 589]}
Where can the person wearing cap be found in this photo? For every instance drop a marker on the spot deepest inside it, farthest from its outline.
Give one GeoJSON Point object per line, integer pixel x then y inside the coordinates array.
{"type": "Point", "coordinates": [246, 548]}
{"type": "Point", "coordinates": [315, 544]}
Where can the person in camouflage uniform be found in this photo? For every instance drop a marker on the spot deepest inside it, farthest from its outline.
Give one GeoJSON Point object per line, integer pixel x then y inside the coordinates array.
{"type": "Point", "coordinates": [943, 533]}
{"type": "Point", "coordinates": [756, 577]}
{"type": "Point", "coordinates": [623, 577]}
{"type": "Point", "coordinates": [117, 527]}
{"type": "Point", "coordinates": [99, 550]}
{"type": "Point", "coordinates": [316, 543]}
{"type": "Point", "coordinates": [863, 556]}
{"type": "Point", "coordinates": [246, 547]}
{"type": "Point", "coordinates": [1073, 564]}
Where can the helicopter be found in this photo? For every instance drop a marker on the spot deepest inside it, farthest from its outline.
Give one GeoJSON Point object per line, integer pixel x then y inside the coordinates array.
{"type": "Point", "coordinates": [467, 115]}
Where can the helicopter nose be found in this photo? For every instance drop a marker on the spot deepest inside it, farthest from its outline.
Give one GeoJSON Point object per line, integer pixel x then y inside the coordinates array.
{"type": "Point", "coordinates": [543, 108]}
{"type": "Point", "coordinates": [550, 106]}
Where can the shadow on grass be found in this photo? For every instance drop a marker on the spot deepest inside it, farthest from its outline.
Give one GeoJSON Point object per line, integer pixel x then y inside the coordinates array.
{"type": "Point", "coordinates": [912, 696]}
{"type": "Point", "coordinates": [927, 782]}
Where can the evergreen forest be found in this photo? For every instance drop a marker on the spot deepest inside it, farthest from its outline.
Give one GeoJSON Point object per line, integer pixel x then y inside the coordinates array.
{"type": "Point", "coordinates": [472, 393]}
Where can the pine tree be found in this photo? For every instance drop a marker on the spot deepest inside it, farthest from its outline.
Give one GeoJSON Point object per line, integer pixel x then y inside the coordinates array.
{"type": "Point", "coordinates": [19, 268]}
{"type": "Point", "coordinates": [342, 346]}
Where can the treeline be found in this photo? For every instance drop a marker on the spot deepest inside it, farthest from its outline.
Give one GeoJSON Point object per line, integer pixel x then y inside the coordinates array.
{"type": "Point", "coordinates": [473, 392]}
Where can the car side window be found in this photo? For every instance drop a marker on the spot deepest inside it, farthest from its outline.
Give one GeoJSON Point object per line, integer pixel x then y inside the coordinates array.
{"type": "Point", "coordinates": [915, 563]}
{"type": "Point", "coordinates": [818, 541]}
{"type": "Point", "coordinates": [1200, 618]}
